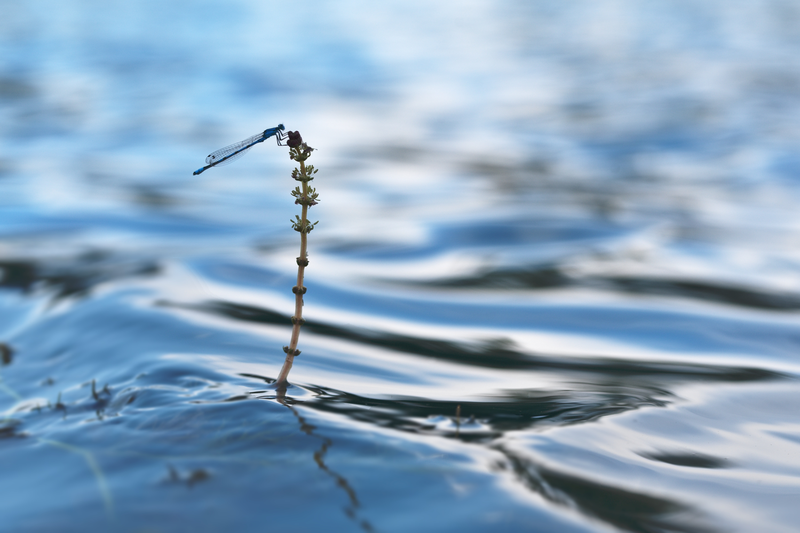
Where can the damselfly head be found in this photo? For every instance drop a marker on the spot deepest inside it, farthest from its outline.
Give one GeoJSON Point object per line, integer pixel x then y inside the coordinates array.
{"type": "Point", "coordinates": [280, 127]}
{"type": "Point", "coordinates": [294, 139]}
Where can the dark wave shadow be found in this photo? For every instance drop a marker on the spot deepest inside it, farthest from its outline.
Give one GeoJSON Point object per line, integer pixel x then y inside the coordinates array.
{"type": "Point", "coordinates": [550, 276]}
{"type": "Point", "coordinates": [584, 399]}
{"type": "Point", "coordinates": [74, 277]}
{"type": "Point", "coordinates": [499, 353]}
{"type": "Point", "coordinates": [691, 460]}
{"type": "Point", "coordinates": [481, 421]}
{"type": "Point", "coordinates": [629, 511]}
{"type": "Point", "coordinates": [705, 291]}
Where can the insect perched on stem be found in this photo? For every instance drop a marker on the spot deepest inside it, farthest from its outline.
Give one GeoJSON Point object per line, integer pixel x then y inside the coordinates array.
{"type": "Point", "coordinates": [231, 153]}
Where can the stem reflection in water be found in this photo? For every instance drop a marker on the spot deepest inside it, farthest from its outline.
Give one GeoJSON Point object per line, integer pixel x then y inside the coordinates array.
{"type": "Point", "coordinates": [351, 510]}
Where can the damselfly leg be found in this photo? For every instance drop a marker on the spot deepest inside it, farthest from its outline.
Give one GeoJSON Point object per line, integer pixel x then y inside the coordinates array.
{"type": "Point", "coordinates": [280, 136]}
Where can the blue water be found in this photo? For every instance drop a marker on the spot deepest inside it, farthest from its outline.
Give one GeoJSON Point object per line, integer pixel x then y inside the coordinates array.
{"type": "Point", "coordinates": [555, 285]}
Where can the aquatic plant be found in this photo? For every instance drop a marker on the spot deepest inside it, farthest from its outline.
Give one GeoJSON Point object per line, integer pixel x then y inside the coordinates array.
{"type": "Point", "coordinates": [305, 196]}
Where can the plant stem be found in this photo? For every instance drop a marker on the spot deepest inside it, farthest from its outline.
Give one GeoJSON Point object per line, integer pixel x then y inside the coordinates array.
{"type": "Point", "coordinates": [302, 261]}
{"type": "Point", "coordinates": [306, 198]}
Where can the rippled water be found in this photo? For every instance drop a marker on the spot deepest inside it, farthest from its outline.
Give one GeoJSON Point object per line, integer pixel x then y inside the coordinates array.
{"type": "Point", "coordinates": [555, 285]}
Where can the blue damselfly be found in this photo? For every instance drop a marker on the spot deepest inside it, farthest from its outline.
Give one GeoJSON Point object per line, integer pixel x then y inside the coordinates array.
{"type": "Point", "coordinates": [223, 156]}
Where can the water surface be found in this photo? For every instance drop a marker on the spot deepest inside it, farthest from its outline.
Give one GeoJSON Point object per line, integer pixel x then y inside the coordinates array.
{"type": "Point", "coordinates": [555, 285]}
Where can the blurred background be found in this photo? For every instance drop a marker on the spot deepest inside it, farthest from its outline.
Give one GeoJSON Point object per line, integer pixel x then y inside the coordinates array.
{"type": "Point", "coordinates": [572, 223]}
